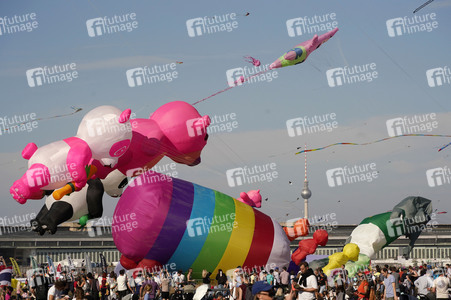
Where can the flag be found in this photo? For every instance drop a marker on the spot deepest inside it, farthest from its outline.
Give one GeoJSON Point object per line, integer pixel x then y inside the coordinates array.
{"type": "Point", "coordinates": [104, 265]}
{"type": "Point", "coordinates": [71, 263]}
{"type": "Point", "coordinates": [15, 266]}
{"type": "Point", "coordinates": [88, 263]}
{"type": "Point", "coordinates": [33, 262]}
{"type": "Point", "coordinates": [59, 269]}
{"type": "Point", "coordinates": [51, 265]}
{"type": "Point", "coordinates": [5, 276]}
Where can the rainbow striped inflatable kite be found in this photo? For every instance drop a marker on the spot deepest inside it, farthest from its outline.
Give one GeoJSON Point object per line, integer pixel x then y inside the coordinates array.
{"type": "Point", "coordinates": [161, 220]}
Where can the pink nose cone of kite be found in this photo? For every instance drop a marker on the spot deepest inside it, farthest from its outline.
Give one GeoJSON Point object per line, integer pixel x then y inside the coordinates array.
{"type": "Point", "coordinates": [275, 65]}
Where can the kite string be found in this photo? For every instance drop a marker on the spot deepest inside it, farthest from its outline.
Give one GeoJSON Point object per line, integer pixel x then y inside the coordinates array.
{"type": "Point", "coordinates": [231, 87]}
{"type": "Point", "coordinates": [77, 109]}
{"type": "Point", "coordinates": [373, 142]}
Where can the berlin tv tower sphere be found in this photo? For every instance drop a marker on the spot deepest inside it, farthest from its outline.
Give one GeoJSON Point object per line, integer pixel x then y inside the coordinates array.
{"type": "Point", "coordinates": [306, 193]}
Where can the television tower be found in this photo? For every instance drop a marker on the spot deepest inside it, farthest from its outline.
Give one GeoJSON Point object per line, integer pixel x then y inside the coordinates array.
{"type": "Point", "coordinates": [306, 193]}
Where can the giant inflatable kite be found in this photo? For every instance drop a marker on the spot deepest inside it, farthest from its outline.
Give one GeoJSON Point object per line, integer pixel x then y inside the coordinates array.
{"type": "Point", "coordinates": [161, 220]}
{"type": "Point", "coordinates": [176, 130]}
{"type": "Point", "coordinates": [409, 218]}
{"type": "Point", "coordinates": [104, 135]}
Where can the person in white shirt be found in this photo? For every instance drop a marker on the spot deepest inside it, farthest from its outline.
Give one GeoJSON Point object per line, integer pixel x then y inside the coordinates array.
{"type": "Point", "coordinates": [276, 277]}
{"type": "Point", "coordinates": [424, 283]}
{"type": "Point", "coordinates": [440, 286]}
{"type": "Point", "coordinates": [56, 291]}
{"type": "Point", "coordinates": [308, 284]}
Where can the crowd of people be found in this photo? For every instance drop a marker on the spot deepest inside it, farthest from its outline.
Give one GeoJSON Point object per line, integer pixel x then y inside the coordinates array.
{"type": "Point", "coordinates": [379, 283]}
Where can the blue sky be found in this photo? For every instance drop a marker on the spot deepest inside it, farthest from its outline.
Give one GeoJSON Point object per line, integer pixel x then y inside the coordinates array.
{"type": "Point", "coordinates": [262, 108]}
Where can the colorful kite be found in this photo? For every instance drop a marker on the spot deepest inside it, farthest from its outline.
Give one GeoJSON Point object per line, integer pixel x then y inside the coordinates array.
{"type": "Point", "coordinates": [252, 60]}
{"type": "Point", "coordinates": [295, 56]}
{"type": "Point", "coordinates": [175, 221]}
{"type": "Point", "coordinates": [423, 5]}
{"type": "Point", "coordinates": [444, 147]}
{"type": "Point", "coordinates": [301, 51]}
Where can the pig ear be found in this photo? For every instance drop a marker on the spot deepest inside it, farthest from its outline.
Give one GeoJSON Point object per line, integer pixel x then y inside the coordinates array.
{"type": "Point", "coordinates": [29, 150]}
{"type": "Point", "coordinates": [125, 115]}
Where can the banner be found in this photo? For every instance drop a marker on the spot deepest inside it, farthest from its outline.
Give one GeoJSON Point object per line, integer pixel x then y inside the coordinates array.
{"type": "Point", "coordinates": [16, 267]}
{"type": "Point", "coordinates": [104, 264]}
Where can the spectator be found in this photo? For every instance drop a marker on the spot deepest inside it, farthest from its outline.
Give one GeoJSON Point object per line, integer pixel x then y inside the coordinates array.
{"type": "Point", "coordinates": [394, 272]}
{"type": "Point", "coordinates": [189, 277]}
{"type": "Point", "coordinates": [206, 277]}
{"type": "Point", "coordinates": [221, 278]}
{"type": "Point", "coordinates": [308, 284]}
{"type": "Point", "coordinates": [122, 285]}
{"type": "Point", "coordinates": [284, 279]}
{"type": "Point", "coordinates": [276, 275]}
{"type": "Point", "coordinates": [389, 286]}
{"type": "Point", "coordinates": [112, 284]}
{"type": "Point", "coordinates": [363, 289]}
{"type": "Point", "coordinates": [78, 293]}
{"type": "Point", "coordinates": [165, 285]}
{"type": "Point", "coordinates": [270, 277]}
{"type": "Point", "coordinates": [56, 291]}
{"type": "Point", "coordinates": [262, 290]}
{"type": "Point", "coordinates": [424, 284]}
{"type": "Point", "coordinates": [440, 285]}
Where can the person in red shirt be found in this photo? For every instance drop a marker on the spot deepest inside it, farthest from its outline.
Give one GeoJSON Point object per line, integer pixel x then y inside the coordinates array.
{"type": "Point", "coordinates": [362, 291]}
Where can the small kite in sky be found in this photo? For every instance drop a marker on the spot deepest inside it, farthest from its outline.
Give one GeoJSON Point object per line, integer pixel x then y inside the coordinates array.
{"type": "Point", "coordinates": [422, 5]}
{"type": "Point", "coordinates": [252, 60]}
